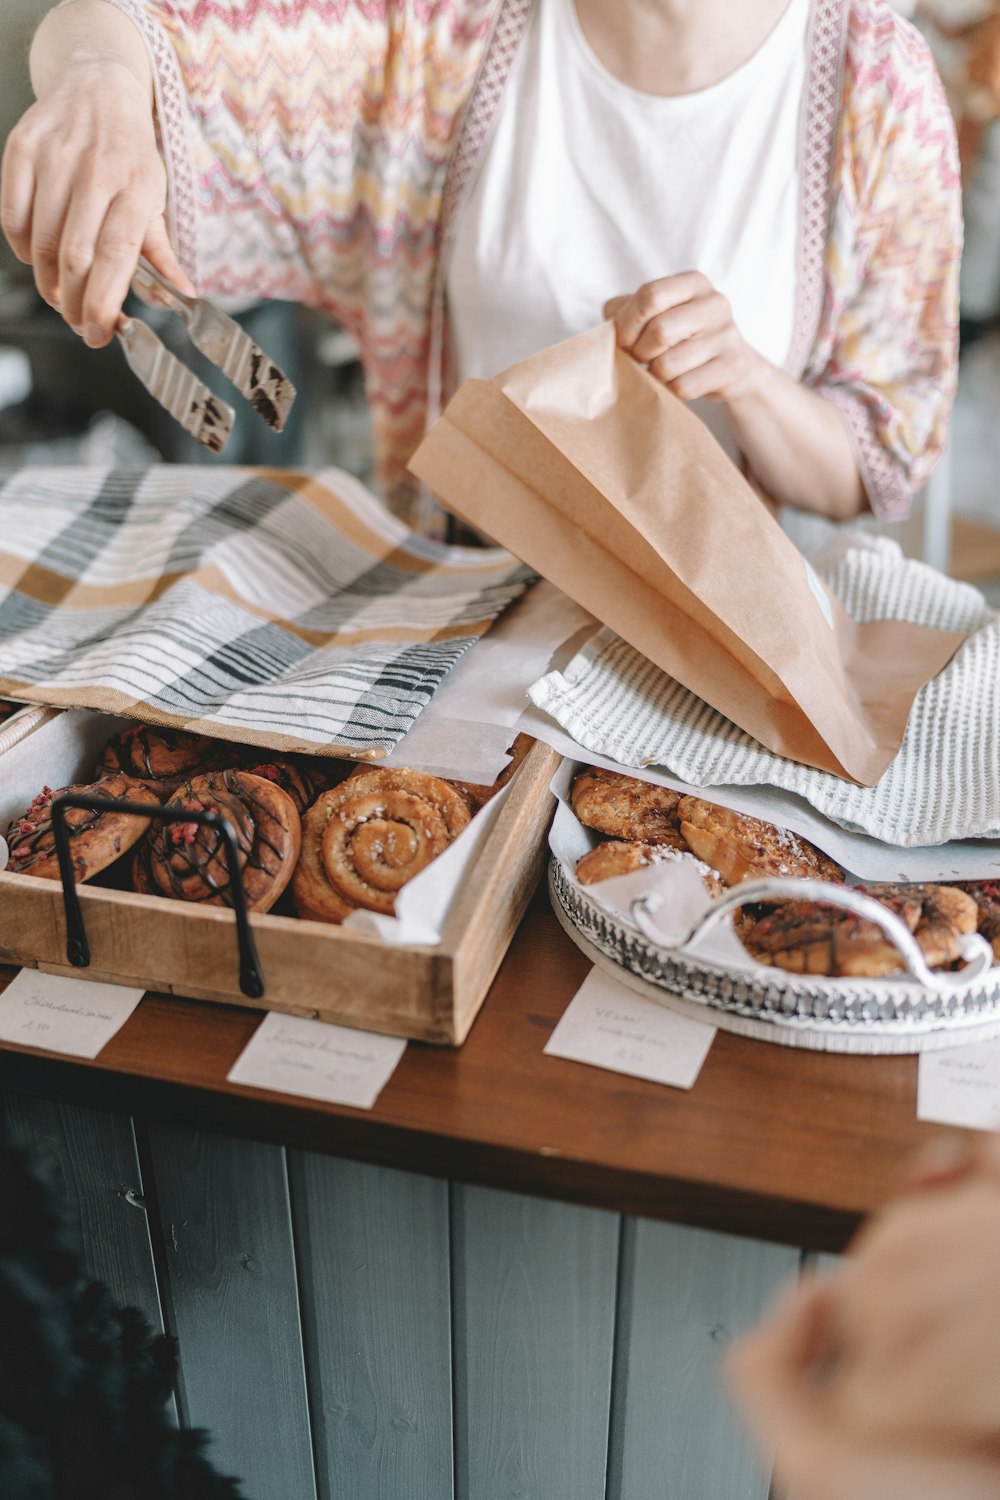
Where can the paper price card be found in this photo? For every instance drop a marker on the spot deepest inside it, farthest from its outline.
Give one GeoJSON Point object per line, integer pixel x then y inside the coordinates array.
{"type": "Point", "coordinates": [315, 1060]}
{"type": "Point", "coordinates": [961, 1086]}
{"type": "Point", "coordinates": [60, 1014]}
{"type": "Point", "coordinates": [608, 1025]}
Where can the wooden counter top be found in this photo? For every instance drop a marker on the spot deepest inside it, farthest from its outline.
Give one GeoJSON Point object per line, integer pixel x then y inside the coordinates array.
{"type": "Point", "coordinates": [774, 1143]}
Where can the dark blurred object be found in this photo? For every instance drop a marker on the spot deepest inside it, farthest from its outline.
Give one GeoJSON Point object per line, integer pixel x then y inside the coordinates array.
{"type": "Point", "coordinates": [83, 1384]}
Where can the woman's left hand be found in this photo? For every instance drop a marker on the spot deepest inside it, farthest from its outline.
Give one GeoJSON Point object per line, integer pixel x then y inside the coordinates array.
{"type": "Point", "coordinates": [683, 329]}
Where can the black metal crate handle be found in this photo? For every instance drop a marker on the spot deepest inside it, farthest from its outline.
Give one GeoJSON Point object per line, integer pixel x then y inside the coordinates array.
{"type": "Point", "coordinates": [77, 947]}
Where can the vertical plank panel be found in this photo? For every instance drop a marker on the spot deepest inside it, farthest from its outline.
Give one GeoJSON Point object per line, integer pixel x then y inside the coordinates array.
{"type": "Point", "coordinates": [534, 1295]}
{"type": "Point", "coordinates": [233, 1301]}
{"type": "Point", "coordinates": [684, 1294]}
{"type": "Point", "coordinates": [97, 1166]}
{"type": "Point", "coordinates": [373, 1258]}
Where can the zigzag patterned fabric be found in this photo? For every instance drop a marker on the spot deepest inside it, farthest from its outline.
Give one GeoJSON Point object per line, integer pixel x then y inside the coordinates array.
{"type": "Point", "coordinates": [319, 150]}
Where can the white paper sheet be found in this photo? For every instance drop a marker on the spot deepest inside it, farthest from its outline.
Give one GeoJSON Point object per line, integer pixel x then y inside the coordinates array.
{"type": "Point", "coordinates": [465, 730]}
{"type": "Point", "coordinates": [607, 1025]}
{"type": "Point", "coordinates": [961, 1086]}
{"type": "Point", "coordinates": [314, 1060]}
{"type": "Point", "coordinates": [864, 857]}
{"type": "Point", "coordinates": [72, 1016]}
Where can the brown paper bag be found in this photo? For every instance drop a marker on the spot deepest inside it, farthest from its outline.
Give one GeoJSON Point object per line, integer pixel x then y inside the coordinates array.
{"type": "Point", "coordinates": [588, 469]}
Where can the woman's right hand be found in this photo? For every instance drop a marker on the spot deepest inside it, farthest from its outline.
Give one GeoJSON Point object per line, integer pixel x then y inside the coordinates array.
{"type": "Point", "coordinates": [83, 192]}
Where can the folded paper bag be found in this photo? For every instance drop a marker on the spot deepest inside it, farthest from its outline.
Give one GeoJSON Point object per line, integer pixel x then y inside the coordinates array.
{"type": "Point", "coordinates": [588, 469]}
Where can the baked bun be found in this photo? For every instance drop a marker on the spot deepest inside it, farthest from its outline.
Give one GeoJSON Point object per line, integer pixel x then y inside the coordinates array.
{"type": "Point", "coordinates": [807, 937]}
{"type": "Point", "coordinates": [366, 838]}
{"type": "Point", "coordinates": [626, 808]}
{"type": "Point", "coordinates": [303, 779]}
{"type": "Point", "coordinates": [741, 848]}
{"type": "Point", "coordinates": [620, 858]}
{"type": "Point", "coordinates": [986, 895]}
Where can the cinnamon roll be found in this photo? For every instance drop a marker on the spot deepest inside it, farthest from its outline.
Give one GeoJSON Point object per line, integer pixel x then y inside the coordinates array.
{"type": "Point", "coordinates": [363, 840]}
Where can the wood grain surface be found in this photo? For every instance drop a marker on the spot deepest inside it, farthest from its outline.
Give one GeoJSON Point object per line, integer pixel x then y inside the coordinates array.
{"type": "Point", "coordinates": [534, 1308]}
{"type": "Point", "coordinates": [373, 1257]}
{"type": "Point", "coordinates": [232, 1301]}
{"type": "Point", "coordinates": [782, 1145]}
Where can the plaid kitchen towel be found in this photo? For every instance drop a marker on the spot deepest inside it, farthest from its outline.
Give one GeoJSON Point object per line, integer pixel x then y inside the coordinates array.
{"type": "Point", "coordinates": [944, 782]}
{"type": "Point", "coordinates": [275, 608]}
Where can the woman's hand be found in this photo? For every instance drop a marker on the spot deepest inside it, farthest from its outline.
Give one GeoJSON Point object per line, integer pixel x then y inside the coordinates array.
{"type": "Point", "coordinates": [795, 443]}
{"type": "Point", "coordinates": [882, 1380]}
{"type": "Point", "coordinates": [83, 189]}
{"type": "Point", "coordinates": [683, 329]}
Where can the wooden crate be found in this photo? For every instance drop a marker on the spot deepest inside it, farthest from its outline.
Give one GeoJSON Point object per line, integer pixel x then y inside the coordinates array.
{"type": "Point", "coordinates": [310, 968]}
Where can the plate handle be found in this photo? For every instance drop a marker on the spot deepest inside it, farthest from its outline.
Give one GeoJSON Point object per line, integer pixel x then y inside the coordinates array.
{"type": "Point", "coordinates": [976, 952]}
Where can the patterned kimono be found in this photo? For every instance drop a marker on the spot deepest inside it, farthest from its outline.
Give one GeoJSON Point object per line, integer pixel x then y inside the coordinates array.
{"type": "Point", "coordinates": [320, 151]}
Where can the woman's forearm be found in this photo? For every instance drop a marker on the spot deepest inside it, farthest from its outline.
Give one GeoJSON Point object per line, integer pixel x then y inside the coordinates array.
{"type": "Point", "coordinates": [88, 31]}
{"type": "Point", "coordinates": [797, 445]}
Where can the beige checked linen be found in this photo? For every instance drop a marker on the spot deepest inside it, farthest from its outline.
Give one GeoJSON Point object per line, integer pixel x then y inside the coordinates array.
{"type": "Point", "coordinates": [269, 607]}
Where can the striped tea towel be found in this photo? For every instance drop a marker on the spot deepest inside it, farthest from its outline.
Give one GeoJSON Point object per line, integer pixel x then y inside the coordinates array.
{"type": "Point", "coordinates": [274, 608]}
{"type": "Point", "coordinates": [945, 782]}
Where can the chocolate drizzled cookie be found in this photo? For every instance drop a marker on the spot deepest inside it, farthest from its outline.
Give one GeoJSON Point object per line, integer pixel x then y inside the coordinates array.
{"type": "Point", "coordinates": [302, 779]}
{"type": "Point", "coordinates": [187, 861]}
{"type": "Point", "coordinates": [96, 839]}
{"type": "Point", "coordinates": [163, 759]}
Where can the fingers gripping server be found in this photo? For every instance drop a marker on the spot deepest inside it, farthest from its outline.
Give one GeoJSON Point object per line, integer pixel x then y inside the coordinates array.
{"type": "Point", "coordinates": [199, 411]}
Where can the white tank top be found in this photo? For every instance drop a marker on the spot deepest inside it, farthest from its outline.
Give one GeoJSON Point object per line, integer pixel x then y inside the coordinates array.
{"type": "Point", "coordinates": [589, 188]}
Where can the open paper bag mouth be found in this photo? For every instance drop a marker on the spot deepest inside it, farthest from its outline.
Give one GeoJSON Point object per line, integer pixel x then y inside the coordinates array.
{"type": "Point", "coordinates": [587, 468]}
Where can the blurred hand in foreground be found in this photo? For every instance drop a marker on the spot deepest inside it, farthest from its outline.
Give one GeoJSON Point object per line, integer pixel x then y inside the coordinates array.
{"type": "Point", "coordinates": [881, 1380]}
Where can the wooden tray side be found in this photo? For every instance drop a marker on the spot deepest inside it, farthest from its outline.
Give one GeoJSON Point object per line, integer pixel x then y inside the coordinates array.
{"type": "Point", "coordinates": [486, 914]}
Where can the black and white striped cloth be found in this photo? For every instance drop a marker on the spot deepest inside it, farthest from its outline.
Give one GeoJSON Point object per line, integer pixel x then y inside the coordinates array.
{"type": "Point", "coordinates": [275, 608]}
{"type": "Point", "coordinates": [943, 784]}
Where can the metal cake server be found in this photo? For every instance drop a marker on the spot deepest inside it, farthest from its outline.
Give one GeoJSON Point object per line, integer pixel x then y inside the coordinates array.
{"type": "Point", "coordinates": [223, 342]}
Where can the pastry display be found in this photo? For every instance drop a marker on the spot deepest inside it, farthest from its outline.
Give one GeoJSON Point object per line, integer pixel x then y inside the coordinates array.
{"type": "Point", "coordinates": [626, 808]}
{"type": "Point", "coordinates": [96, 839]}
{"type": "Point", "coordinates": [367, 831]}
{"type": "Point", "coordinates": [188, 860]}
{"type": "Point", "coordinates": [621, 857]}
{"type": "Point", "coordinates": [363, 840]}
{"type": "Point", "coordinates": [163, 758]}
{"type": "Point", "coordinates": [802, 937]}
{"type": "Point", "coordinates": [812, 938]}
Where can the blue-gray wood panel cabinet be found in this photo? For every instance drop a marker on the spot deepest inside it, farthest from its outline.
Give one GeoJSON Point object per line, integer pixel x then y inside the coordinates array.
{"type": "Point", "coordinates": [349, 1332]}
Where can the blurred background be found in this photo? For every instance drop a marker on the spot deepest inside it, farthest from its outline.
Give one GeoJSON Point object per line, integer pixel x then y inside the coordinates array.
{"type": "Point", "coordinates": [60, 402]}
